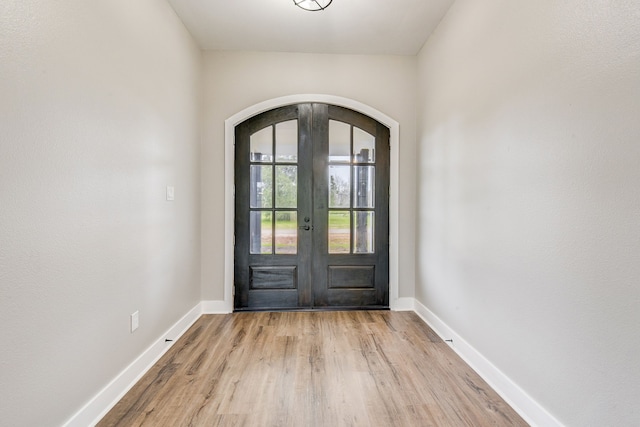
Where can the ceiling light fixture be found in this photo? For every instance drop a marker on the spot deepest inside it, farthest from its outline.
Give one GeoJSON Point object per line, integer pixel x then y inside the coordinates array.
{"type": "Point", "coordinates": [312, 5]}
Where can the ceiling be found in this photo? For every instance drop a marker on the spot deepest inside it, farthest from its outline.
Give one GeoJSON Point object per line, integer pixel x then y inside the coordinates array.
{"type": "Point", "coordinates": [397, 27]}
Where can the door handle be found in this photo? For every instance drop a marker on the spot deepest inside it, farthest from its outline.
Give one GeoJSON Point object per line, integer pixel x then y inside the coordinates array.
{"type": "Point", "coordinates": [306, 227]}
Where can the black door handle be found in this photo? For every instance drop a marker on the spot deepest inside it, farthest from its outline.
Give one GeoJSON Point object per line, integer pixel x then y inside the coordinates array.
{"type": "Point", "coordinates": [305, 227]}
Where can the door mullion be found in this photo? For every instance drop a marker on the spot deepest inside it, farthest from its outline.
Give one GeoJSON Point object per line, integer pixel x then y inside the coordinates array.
{"type": "Point", "coordinates": [320, 202]}
{"type": "Point", "coordinates": [305, 206]}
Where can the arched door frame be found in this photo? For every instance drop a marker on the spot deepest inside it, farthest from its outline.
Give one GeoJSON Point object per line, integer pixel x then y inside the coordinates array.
{"type": "Point", "coordinates": [394, 139]}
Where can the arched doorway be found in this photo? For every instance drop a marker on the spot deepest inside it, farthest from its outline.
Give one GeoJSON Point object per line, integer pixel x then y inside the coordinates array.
{"type": "Point", "coordinates": [311, 209]}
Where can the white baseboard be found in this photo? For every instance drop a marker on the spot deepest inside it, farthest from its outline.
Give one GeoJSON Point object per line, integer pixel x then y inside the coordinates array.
{"type": "Point", "coordinates": [517, 398]}
{"type": "Point", "coordinates": [216, 307]}
{"type": "Point", "coordinates": [106, 399]}
{"type": "Point", "coordinates": [404, 304]}
{"type": "Point", "coordinates": [532, 412]}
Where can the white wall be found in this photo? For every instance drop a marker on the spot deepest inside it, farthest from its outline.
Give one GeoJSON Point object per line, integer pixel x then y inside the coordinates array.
{"type": "Point", "coordinates": [529, 201]}
{"type": "Point", "coordinates": [99, 111]}
{"type": "Point", "coordinates": [237, 80]}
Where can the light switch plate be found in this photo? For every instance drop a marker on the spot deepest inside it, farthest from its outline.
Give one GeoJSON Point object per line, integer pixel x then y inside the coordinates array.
{"type": "Point", "coordinates": [135, 321]}
{"type": "Point", "coordinates": [171, 194]}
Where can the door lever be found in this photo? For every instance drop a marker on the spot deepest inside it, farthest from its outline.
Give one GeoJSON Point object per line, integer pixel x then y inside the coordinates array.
{"type": "Point", "coordinates": [305, 227]}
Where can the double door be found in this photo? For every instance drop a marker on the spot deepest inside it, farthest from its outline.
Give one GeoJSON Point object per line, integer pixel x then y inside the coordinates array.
{"type": "Point", "coordinates": [311, 210]}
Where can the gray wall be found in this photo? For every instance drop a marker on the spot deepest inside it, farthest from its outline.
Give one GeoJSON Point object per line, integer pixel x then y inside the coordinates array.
{"type": "Point", "coordinates": [529, 201]}
{"type": "Point", "coordinates": [99, 112]}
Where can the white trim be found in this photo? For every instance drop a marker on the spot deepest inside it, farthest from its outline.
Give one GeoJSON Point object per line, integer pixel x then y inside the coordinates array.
{"type": "Point", "coordinates": [215, 307]}
{"type": "Point", "coordinates": [405, 304]}
{"type": "Point", "coordinates": [394, 184]}
{"type": "Point", "coordinates": [532, 412]}
{"type": "Point", "coordinates": [91, 413]}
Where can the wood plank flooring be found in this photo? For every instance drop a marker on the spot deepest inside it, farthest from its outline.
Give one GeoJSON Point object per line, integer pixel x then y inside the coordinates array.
{"type": "Point", "coordinates": [355, 368]}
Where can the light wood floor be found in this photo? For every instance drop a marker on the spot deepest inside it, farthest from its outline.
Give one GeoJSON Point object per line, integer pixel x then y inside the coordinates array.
{"type": "Point", "coordinates": [356, 368]}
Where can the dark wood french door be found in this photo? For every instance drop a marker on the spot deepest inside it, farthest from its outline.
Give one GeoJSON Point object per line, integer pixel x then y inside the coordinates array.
{"type": "Point", "coordinates": [311, 210]}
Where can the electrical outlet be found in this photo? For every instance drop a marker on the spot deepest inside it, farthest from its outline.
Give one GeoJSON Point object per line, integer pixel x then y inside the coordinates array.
{"type": "Point", "coordinates": [135, 321]}
{"type": "Point", "coordinates": [171, 193]}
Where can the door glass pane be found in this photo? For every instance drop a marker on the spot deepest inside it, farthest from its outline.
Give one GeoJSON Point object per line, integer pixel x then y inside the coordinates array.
{"type": "Point", "coordinates": [261, 184]}
{"type": "Point", "coordinates": [364, 145]}
{"type": "Point", "coordinates": [286, 186]}
{"type": "Point", "coordinates": [260, 225]}
{"type": "Point", "coordinates": [364, 186]}
{"type": "Point", "coordinates": [363, 232]}
{"type": "Point", "coordinates": [286, 232]}
{"type": "Point", "coordinates": [339, 142]}
{"type": "Point", "coordinates": [261, 144]}
{"type": "Point", "coordinates": [339, 186]}
{"type": "Point", "coordinates": [287, 141]}
{"type": "Point", "coordinates": [339, 232]}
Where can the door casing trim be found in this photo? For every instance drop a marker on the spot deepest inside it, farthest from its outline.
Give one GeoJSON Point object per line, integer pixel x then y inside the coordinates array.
{"type": "Point", "coordinates": [229, 179]}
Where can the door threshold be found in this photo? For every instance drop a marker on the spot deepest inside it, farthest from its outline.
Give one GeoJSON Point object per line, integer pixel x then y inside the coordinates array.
{"type": "Point", "coordinates": [310, 309]}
